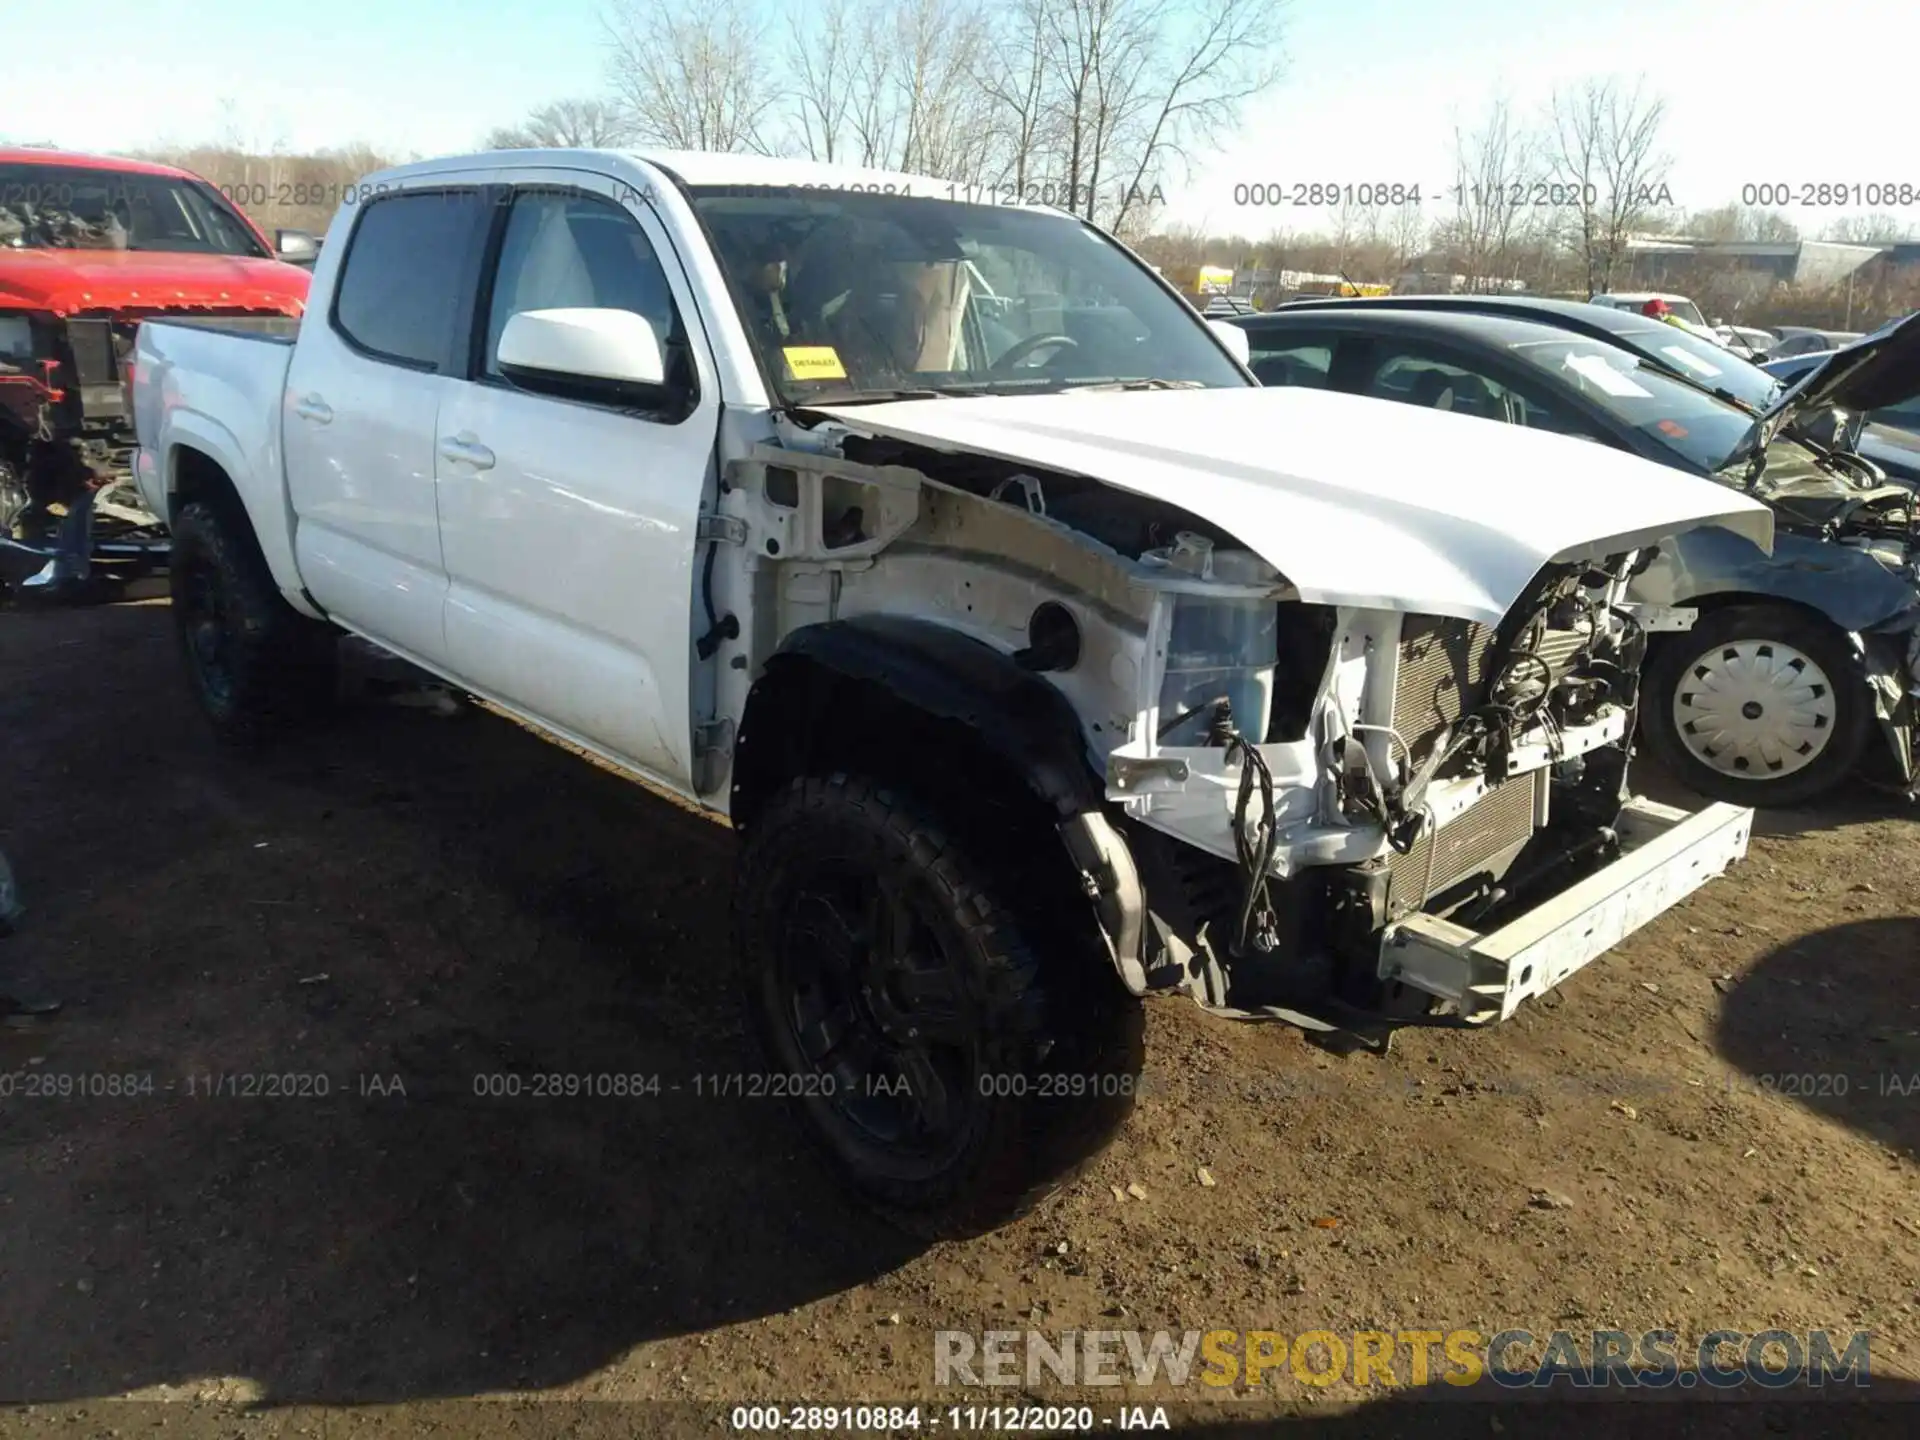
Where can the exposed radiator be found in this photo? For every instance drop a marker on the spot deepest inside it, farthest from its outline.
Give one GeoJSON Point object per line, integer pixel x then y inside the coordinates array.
{"type": "Point", "coordinates": [1484, 838]}
{"type": "Point", "coordinates": [1443, 670]}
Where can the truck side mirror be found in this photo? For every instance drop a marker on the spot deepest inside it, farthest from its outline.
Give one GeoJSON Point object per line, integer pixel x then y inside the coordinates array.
{"type": "Point", "coordinates": [1234, 338]}
{"type": "Point", "coordinates": [604, 354]}
{"type": "Point", "coordinates": [296, 247]}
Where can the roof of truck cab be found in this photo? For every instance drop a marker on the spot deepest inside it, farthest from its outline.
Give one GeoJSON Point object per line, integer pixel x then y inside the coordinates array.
{"type": "Point", "coordinates": [699, 168]}
{"type": "Point", "coordinates": [31, 155]}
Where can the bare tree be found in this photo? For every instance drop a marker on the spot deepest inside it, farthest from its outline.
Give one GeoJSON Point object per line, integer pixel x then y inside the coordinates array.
{"type": "Point", "coordinates": [875, 118]}
{"type": "Point", "coordinates": [824, 46]}
{"type": "Point", "coordinates": [565, 125]}
{"type": "Point", "coordinates": [1737, 222]}
{"type": "Point", "coordinates": [1495, 166]}
{"type": "Point", "coordinates": [1126, 85]}
{"type": "Point", "coordinates": [691, 74]}
{"type": "Point", "coordinates": [1078, 34]}
{"type": "Point", "coordinates": [1013, 78]}
{"type": "Point", "coordinates": [1210, 62]}
{"type": "Point", "coordinates": [895, 86]}
{"type": "Point", "coordinates": [1096, 98]}
{"type": "Point", "coordinates": [1406, 235]}
{"type": "Point", "coordinates": [1606, 140]}
{"type": "Point", "coordinates": [943, 117]}
{"type": "Point", "coordinates": [1877, 229]}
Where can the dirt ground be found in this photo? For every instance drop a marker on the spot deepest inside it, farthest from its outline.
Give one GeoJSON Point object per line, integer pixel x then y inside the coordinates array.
{"type": "Point", "coordinates": [407, 902]}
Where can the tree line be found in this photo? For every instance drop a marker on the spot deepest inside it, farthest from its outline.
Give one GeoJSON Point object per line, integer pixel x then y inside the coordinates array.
{"type": "Point", "coordinates": [1104, 104]}
{"type": "Point", "coordinates": [1099, 100]}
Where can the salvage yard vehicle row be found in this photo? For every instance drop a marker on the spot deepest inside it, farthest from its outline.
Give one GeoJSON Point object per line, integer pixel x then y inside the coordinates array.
{"type": "Point", "coordinates": [1805, 664]}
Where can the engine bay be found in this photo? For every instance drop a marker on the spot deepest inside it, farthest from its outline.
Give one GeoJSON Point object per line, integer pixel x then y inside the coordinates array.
{"type": "Point", "coordinates": [1294, 775]}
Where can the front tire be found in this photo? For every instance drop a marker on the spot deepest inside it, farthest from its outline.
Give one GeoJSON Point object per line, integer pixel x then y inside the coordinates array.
{"type": "Point", "coordinates": [945, 1070]}
{"type": "Point", "coordinates": [257, 665]}
{"type": "Point", "coordinates": [1757, 704]}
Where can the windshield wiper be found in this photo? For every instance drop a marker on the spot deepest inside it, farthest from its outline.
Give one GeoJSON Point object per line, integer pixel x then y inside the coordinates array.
{"type": "Point", "coordinates": [1694, 382]}
{"type": "Point", "coordinates": [866, 397]}
{"type": "Point", "coordinates": [1734, 400]}
{"type": "Point", "coordinates": [1149, 382]}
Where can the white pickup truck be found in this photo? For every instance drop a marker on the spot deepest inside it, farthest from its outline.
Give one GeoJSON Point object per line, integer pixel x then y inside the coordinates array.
{"type": "Point", "coordinates": [1040, 657]}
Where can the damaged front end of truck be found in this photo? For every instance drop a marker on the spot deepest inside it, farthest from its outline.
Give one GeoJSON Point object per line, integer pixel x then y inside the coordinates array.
{"type": "Point", "coordinates": [1339, 754]}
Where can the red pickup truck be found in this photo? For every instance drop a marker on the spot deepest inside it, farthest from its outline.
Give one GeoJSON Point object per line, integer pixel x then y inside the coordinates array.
{"type": "Point", "coordinates": [90, 246]}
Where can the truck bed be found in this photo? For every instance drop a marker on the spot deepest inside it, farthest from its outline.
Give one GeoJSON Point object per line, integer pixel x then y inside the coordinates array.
{"type": "Point", "coordinates": [218, 384]}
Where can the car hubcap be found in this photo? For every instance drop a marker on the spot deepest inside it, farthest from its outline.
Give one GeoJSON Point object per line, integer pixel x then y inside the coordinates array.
{"type": "Point", "coordinates": [878, 1013]}
{"type": "Point", "coordinates": [1755, 709]}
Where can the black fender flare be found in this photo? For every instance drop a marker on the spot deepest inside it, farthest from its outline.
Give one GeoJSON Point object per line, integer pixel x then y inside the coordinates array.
{"type": "Point", "coordinates": [1013, 713]}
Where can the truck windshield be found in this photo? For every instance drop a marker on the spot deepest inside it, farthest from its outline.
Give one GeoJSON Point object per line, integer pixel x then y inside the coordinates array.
{"type": "Point", "coordinates": [63, 207]}
{"type": "Point", "coordinates": [848, 291]}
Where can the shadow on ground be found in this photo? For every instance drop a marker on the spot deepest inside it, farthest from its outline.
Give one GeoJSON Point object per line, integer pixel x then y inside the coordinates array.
{"type": "Point", "coordinates": [322, 968]}
{"type": "Point", "coordinates": [1832, 1020]}
{"type": "Point", "coordinates": [1852, 803]}
{"type": "Point", "coordinates": [1887, 1408]}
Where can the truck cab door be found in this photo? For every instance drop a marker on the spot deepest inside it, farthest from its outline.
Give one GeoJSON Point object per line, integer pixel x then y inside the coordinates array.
{"type": "Point", "coordinates": [567, 519]}
{"type": "Point", "coordinates": [361, 407]}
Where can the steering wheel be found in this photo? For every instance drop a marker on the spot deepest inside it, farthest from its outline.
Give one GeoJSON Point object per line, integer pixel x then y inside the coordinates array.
{"type": "Point", "coordinates": [1021, 349]}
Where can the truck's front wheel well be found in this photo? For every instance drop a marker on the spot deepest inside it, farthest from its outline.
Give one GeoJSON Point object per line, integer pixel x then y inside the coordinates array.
{"type": "Point", "coordinates": [993, 747]}
{"type": "Point", "coordinates": [806, 719]}
{"type": "Point", "coordinates": [196, 476]}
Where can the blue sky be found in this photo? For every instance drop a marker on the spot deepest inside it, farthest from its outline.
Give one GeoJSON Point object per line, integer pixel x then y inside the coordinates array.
{"type": "Point", "coordinates": [1372, 92]}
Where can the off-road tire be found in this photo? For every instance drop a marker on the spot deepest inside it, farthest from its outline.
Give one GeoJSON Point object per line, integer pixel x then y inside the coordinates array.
{"type": "Point", "coordinates": [256, 665]}
{"type": "Point", "coordinates": [1058, 1044]}
{"type": "Point", "coordinates": [1820, 642]}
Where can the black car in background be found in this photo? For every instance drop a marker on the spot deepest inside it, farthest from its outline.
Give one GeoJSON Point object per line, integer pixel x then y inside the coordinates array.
{"type": "Point", "coordinates": [1668, 346]}
{"type": "Point", "coordinates": [1799, 340]}
{"type": "Point", "coordinates": [1797, 656]}
{"type": "Point", "coordinates": [1890, 436]}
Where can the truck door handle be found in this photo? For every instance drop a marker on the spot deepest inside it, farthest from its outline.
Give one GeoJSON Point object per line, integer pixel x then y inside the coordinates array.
{"type": "Point", "coordinates": [465, 450]}
{"type": "Point", "coordinates": [312, 407]}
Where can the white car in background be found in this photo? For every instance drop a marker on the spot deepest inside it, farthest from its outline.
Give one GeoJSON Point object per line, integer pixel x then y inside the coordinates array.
{"type": "Point", "coordinates": [1684, 310]}
{"type": "Point", "coordinates": [1749, 342]}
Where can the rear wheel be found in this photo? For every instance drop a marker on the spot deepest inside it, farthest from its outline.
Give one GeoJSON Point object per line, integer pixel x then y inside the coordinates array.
{"type": "Point", "coordinates": [256, 664]}
{"type": "Point", "coordinates": [1757, 704]}
{"type": "Point", "coordinates": [946, 1071]}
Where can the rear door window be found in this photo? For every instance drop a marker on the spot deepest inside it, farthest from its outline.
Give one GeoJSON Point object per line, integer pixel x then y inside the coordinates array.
{"type": "Point", "coordinates": [1291, 359]}
{"type": "Point", "coordinates": [1442, 381]}
{"type": "Point", "coordinates": [400, 288]}
{"type": "Point", "coordinates": [1424, 378]}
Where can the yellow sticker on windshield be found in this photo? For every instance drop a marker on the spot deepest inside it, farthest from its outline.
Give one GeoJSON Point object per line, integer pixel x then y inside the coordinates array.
{"type": "Point", "coordinates": [814, 362]}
